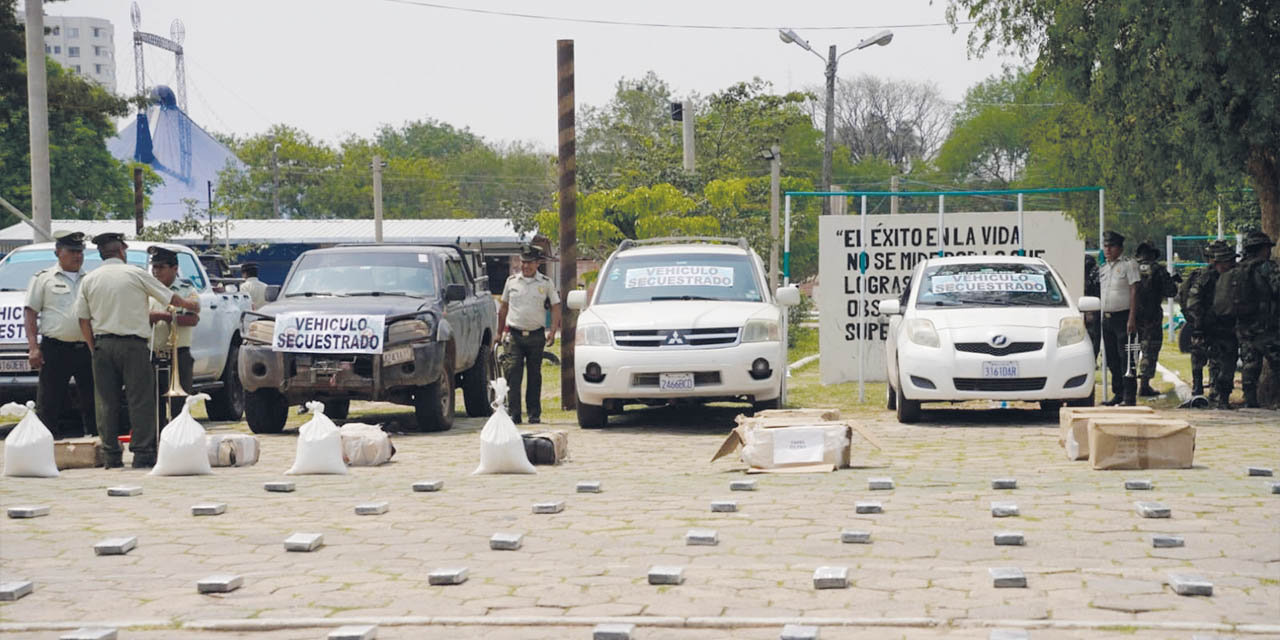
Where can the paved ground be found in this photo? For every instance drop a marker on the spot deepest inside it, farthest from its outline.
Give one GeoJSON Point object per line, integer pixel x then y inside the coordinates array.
{"type": "Point", "coordinates": [1090, 567]}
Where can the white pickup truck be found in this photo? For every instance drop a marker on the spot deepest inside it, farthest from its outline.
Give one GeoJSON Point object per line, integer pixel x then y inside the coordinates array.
{"type": "Point", "coordinates": [215, 342]}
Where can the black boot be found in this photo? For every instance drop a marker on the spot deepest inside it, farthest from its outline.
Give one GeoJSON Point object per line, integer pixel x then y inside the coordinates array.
{"type": "Point", "coordinates": [1197, 382]}
{"type": "Point", "coordinates": [1251, 397]}
{"type": "Point", "coordinates": [1224, 400]}
{"type": "Point", "coordinates": [1145, 389]}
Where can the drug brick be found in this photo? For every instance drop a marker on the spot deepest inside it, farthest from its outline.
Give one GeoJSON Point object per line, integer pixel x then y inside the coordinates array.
{"type": "Point", "coordinates": [1259, 471]}
{"type": "Point", "coordinates": [1009, 634]}
{"type": "Point", "coordinates": [219, 583]}
{"type": "Point", "coordinates": [1137, 485]}
{"type": "Point", "coordinates": [849, 536]}
{"type": "Point", "coordinates": [1275, 487]}
{"type": "Point", "coordinates": [124, 492]}
{"type": "Point", "coordinates": [1187, 584]}
{"type": "Point", "coordinates": [724, 506]}
{"type": "Point", "coordinates": [549, 507]}
{"type": "Point", "coordinates": [799, 632]}
{"type": "Point", "coordinates": [868, 507]}
{"type": "Point", "coordinates": [702, 537]}
{"type": "Point", "coordinates": [28, 512]}
{"type": "Point", "coordinates": [666, 575]}
{"type": "Point", "coordinates": [879, 484]}
{"type": "Point", "coordinates": [743, 485]}
{"type": "Point", "coordinates": [304, 542]}
{"type": "Point", "coordinates": [355, 632]}
{"type": "Point", "coordinates": [209, 509]}
{"type": "Point", "coordinates": [1010, 538]}
{"type": "Point", "coordinates": [372, 508]}
{"type": "Point", "coordinates": [428, 486]}
{"type": "Point", "coordinates": [616, 631]}
{"type": "Point", "coordinates": [1008, 578]}
{"type": "Point", "coordinates": [280, 487]}
{"type": "Point", "coordinates": [1152, 510]}
{"type": "Point", "coordinates": [1004, 509]}
{"type": "Point", "coordinates": [506, 541]}
{"type": "Point", "coordinates": [1004, 483]}
{"type": "Point", "coordinates": [831, 578]}
{"type": "Point", "coordinates": [447, 576]}
{"type": "Point", "coordinates": [115, 546]}
{"type": "Point", "coordinates": [90, 633]}
{"type": "Point", "coordinates": [589, 486]}
{"type": "Point", "coordinates": [1166, 541]}
{"type": "Point", "coordinates": [10, 591]}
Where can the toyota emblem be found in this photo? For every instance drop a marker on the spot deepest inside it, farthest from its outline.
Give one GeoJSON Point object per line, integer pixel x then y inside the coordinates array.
{"type": "Point", "coordinates": [999, 340]}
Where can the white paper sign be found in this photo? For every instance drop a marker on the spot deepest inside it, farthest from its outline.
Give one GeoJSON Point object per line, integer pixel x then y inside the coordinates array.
{"type": "Point", "coordinates": [995, 281]}
{"type": "Point", "coordinates": [797, 445]}
{"type": "Point", "coordinates": [328, 333]}
{"type": "Point", "coordinates": [680, 276]}
{"type": "Point", "coordinates": [13, 330]}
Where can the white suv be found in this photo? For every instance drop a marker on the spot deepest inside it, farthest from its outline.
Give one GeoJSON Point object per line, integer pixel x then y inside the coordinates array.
{"type": "Point", "coordinates": [679, 319]}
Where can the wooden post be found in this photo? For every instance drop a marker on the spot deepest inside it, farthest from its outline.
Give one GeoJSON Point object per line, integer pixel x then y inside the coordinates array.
{"type": "Point", "coordinates": [568, 219]}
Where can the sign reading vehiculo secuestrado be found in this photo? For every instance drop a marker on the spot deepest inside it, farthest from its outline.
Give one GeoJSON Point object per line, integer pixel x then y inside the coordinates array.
{"type": "Point", "coordinates": [328, 333]}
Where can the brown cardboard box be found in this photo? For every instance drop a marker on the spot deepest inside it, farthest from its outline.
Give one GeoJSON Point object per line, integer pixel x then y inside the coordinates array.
{"type": "Point", "coordinates": [1074, 424]}
{"type": "Point", "coordinates": [819, 415]}
{"type": "Point", "coordinates": [1141, 443]}
{"type": "Point", "coordinates": [794, 446]}
{"type": "Point", "coordinates": [78, 453]}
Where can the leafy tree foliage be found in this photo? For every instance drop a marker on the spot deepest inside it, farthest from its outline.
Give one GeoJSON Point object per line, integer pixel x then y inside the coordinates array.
{"type": "Point", "coordinates": [899, 121]}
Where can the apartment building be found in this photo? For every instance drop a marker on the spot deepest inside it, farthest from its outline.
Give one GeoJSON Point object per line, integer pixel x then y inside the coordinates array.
{"type": "Point", "coordinates": [85, 46]}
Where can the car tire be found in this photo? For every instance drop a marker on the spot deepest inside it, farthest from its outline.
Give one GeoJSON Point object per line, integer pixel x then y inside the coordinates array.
{"type": "Point", "coordinates": [1083, 402]}
{"type": "Point", "coordinates": [592, 416]}
{"type": "Point", "coordinates": [892, 402]}
{"type": "Point", "coordinates": [766, 405]}
{"type": "Point", "coordinates": [337, 409]}
{"type": "Point", "coordinates": [476, 392]}
{"type": "Point", "coordinates": [433, 404]}
{"type": "Point", "coordinates": [1050, 406]}
{"type": "Point", "coordinates": [908, 410]}
{"type": "Point", "coordinates": [227, 404]}
{"type": "Point", "coordinates": [266, 411]}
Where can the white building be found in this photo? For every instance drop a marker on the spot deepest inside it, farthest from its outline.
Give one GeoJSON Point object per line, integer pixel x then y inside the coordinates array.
{"type": "Point", "coordinates": [85, 46]}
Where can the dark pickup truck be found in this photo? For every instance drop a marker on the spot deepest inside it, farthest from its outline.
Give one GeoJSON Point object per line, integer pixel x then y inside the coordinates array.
{"type": "Point", "coordinates": [396, 323]}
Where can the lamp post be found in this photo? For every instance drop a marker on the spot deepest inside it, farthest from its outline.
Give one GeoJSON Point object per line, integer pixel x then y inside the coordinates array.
{"type": "Point", "coordinates": [832, 61]}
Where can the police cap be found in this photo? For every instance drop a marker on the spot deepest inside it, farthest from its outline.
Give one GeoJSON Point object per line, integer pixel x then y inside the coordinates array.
{"type": "Point", "coordinates": [161, 255]}
{"type": "Point", "coordinates": [110, 236]}
{"type": "Point", "coordinates": [1146, 248]}
{"type": "Point", "coordinates": [69, 240]}
{"type": "Point", "coordinates": [1257, 239]}
{"type": "Point", "coordinates": [530, 254]}
{"type": "Point", "coordinates": [1112, 238]}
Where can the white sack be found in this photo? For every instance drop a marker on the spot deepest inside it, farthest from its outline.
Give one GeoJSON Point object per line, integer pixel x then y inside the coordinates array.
{"type": "Point", "coordinates": [183, 447]}
{"type": "Point", "coordinates": [501, 447]}
{"type": "Point", "coordinates": [233, 450]}
{"type": "Point", "coordinates": [28, 451]}
{"type": "Point", "coordinates": [319, 446]}
{"type": "Point", "coordinates": [365, 445]}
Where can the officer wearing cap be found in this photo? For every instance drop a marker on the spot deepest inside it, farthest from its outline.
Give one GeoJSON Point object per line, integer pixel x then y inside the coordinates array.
{"type": "Point", "coordinates": [112, 306]}
{"type": "Point", "coordinates": [164, 266]}
{"type": "Point", "coordinates": [1154, 286]}
{"type": "Point", "coordinates": [1118, 280]}
{"type": "Point", "coordinates": [1258, 313]}
{"type": "Point", "coordinates": [525, 300]}
{"type": "Point", "coordinates": [1212, 332]}
{"type": "Point", "coordinates": [61, 352]}
{"type": "Point", "coordinates": [256, 288]}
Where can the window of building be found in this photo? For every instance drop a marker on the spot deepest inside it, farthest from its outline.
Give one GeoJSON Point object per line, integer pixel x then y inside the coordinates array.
{"type": "Point", "coordinates": [77, 68]}
{"type": "Point", "coordinates": [56, 30]}
{"type": "Point", "coordinates": [97, 32]}
{"type": "Point", "coordinates": [48, 49]}
{"type": "Point", "coordinates": [57, 49]}
{"type": "Point", "coordinates": [97, 68]}
{"type": "Point", "coordinates": [97, 52]}
{"type": "Point", "coordinates": [73, 32]}
{"type": "Point", "coordinates": [73, 52]}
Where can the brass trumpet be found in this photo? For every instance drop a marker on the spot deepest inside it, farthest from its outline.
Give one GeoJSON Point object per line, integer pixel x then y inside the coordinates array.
{"type": "Point", "coordinates": [175, 384]}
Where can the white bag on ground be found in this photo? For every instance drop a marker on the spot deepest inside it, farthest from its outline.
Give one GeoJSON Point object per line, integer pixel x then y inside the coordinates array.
{"type": "Point", "coordinates": [233, 449]}
{"type": "Point", "coordinates": [28, 451]}
{"type": "Point", "coordinates": [319, 445]}
{"type": "Point", "coordinates": [183, 450]}
{"type": "Point", "coordinates": [501, 447]}
{"type": "Point", "coordinates": [365, 445]}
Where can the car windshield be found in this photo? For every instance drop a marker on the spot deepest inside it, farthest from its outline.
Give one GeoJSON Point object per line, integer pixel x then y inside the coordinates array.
{"type": "Point", "coordinates": [19, 266]}
{"type": "Point", "coordinates": [684, 276]}
{"type": "Point", "coordinates": [355, 273]}
{"type": "Point", "coordinates": [989, 285]}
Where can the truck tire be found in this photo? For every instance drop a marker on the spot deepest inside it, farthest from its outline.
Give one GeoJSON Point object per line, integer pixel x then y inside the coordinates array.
{"type": "Point", "coordinates": [433, 404]}
{"type": "Point", "coordinates": [592, 416]}
{"type": "Point", "coordinates": [475, 384]}
{"type": "Point", "coordinates": [337, 409]}
{"type": "Point", "coordinates": [227, 404]}
{"type": "Point", "coordinates": [265, 411]}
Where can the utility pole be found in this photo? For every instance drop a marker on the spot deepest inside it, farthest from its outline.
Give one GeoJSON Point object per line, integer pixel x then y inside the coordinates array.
{"type": "Point", "coordinates": [893, 200]}
{"type": "Point", "coordinates": [275, 181]}
{"type": "Point", "coordinates": [137, 200]}
{"type": "Point", "coordinates": [775, 193]}
{"type": "Point", "coordinates": [38, 117]}
{"type": "Point", "coordinates": [209, 199]}
{"type": "Point", "coordinates": [568, 217]}
{"type": "Point", "coordinates": [377, 198]}
{"type": "Point", "coordinates": [687, 131]}
{"type": "Point", "coordinates": [831, 128]}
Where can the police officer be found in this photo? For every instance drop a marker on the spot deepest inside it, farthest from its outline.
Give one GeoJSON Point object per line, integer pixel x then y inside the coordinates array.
{"type": "Point", "coordinates": [164, 266]}
{"type": "Point", "coordinates": [1154, 286]}
{"type": "Point", "coordinates": [256, 288]}
{"type": "Point", "coordinates": [1217, 333]}
{"type": "Point", "coordinates": [112, 307]}
{"type": "Point", "coordinates": [1094, 289]}
{"type": "Point", "coordinates": [61, 354]}
{"type": "Point", "coordinates": [1117, 280]}
{"type": "Point", "coordinates": [525, 300]}
{"type": "Point", "coordinates": [1258, 331]}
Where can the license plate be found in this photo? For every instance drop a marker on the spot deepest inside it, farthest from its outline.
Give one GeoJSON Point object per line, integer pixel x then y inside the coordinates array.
{"type": "Point", "coordinates": [14, 365]}
{"type": "Point", "coordinates": [397, 355]}
{"type": "Point", "coordinates": [675, 382]}
{"type": "Point", "coordinates": [999, 369]}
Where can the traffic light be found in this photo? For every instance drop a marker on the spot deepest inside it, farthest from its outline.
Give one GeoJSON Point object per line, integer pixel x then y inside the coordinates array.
{"type": "Point", "coordinates": [677, 111]}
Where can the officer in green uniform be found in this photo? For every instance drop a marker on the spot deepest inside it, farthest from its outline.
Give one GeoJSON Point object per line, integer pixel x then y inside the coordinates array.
{"type": "Point", "coordinates": [1217, 333]}
{"type": "Point", "coordinates": [1154, 286]}
{"type": "Point", "coordinates": [525, 300]}
{"type": "Point", "coordinates": [61, 352]}
{"type": "Point", "coordinates": [1258, 324]}
{"type": "Point", "coordinates": [112, 306]}
{"type": "Point", "coordinates": [164, 266]}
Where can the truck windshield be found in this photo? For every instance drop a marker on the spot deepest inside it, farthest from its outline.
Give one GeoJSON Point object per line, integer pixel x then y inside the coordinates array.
{"type": "Point", "coordinates": [685, 276]}
{"type": "Point", "coordinates": [19, 266]}
{"type": "Point", "coordinates": [989, 285]}
{"type": "Point", "coordinates": [345, 273]}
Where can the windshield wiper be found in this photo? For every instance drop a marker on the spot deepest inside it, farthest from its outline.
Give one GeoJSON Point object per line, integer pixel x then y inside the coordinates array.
{"type": "Point", "coordinates": [682, 298]}
{"type": "Point", "coordinates": [306, 293]}
{"type": "Point", "coordinates": [405, 294]}
{"type": "Point", "coordinates": [8, 289]}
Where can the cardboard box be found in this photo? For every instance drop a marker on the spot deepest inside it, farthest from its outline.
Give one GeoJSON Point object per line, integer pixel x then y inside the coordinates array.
{"type": "Point", "coordinates": [1074, 426]}
{"type": "Point", "coordinates": [78, 453]}
{"type": "Point", "coordinates": [546, 447]}
{"type": "Point", "coordinates": [818, 415]}
{"type": "Point", "coordinates": [808, 446]}
{"type": "Point", "coordinates": [1141, 443]}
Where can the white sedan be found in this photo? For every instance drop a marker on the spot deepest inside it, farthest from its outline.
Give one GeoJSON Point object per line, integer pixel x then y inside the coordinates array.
{"type": "Point", "coordinates": [987, 328]}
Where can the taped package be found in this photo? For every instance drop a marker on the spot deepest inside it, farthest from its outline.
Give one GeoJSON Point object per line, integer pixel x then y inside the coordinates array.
{"type": "Point", "coordinates": [1141, 443]}
{"type": "Point", "coordinates": [546, 447]}
{"type": "Point", "coordinates": [232, 449]}
{"type": "Point", "coordinates": [365, 445]}
{"type": "Point", "coordinates": [1074, 425]}
{"type": "Point", "coordinates": [776, 445]}
{"type": "Point", "coordinates": [78, 453]}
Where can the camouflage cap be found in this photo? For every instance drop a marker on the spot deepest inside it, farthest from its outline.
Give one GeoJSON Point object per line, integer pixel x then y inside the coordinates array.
{"type": "Point", "coordinates": [1257, 239]}
{"type": "Point", "coordinates": [1220, 251]}
{"type": "Point", "coordinates": [1146, 248]}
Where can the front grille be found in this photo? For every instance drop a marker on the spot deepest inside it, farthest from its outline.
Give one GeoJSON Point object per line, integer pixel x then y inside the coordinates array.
{"type": "Point", "coordinates": [666, 338]}
{"type": "Point", "coordinates": [998, 384]}
{"type": "Point", "coordinates": [1013, 347]}
{"type": "Point", "coordinates": [700, 379]}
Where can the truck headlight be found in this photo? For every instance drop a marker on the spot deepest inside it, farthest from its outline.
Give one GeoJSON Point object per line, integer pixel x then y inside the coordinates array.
{"type": "Point", "coordinates": [1070, 331]}
{"type": "Point", "coordinates": [260, 331]}
{"type": "Point", "coordinates": [408, 331]}
{"type": "Point", "coordinates": [920, 331]}
{"type": "Point", "coordinates": [760, 330]}
{"type": "Point", "coordinates": [592, 335]}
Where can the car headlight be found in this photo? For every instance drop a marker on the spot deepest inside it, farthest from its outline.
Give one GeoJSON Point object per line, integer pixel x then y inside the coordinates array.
{"type": "Point", "coordinates": [408, 331]}
{"type": "Point", "coordinates": [760, 330]}
{"type": "Point", "coordinates": [592, 335]}
{"type": "Point", "coordinates": [260, 331]}
{"type": "Point", "coordinates": [1070, 331]}
{"type": "Point", "coordinates": [920, 331]}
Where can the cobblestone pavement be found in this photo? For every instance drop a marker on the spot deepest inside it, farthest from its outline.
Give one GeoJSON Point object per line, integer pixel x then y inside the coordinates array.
{"type": "Point", "coordinates": [1090, 566]}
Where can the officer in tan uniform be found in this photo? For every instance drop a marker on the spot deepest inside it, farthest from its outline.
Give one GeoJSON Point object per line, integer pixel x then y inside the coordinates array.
{"type": "Point", "coordinates": [112, 306]}
{"type": "Point", "coordinates": [256, 288]}
{"type": "Point", "coordinates": [61, 352]}
{"type": "Point", "coordinates": [526, 298]}
{"type": "Point", "coordinates": [164, 266]}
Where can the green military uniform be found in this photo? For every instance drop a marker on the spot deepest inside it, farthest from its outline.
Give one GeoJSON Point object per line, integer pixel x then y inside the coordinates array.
{"type": "Point", "coordinates": [52, 296]}
{"type": "Point", "coordinates": [1154, 287]}
{"type": "Point", "coordinates": [1216, 334]}
{"type": "Point", "coordinates": [1198, 348]}
{"type": "Point", "coordinates": [114, 299]}
{"type": "Point", "coordinates": [160, 346]}
{"type": "Point", "coordinates": [1259, 332]}
{"type": "Point", "coordinates": [527, 302]}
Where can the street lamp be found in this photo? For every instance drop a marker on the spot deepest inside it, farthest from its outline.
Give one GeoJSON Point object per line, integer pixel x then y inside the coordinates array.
{"type": "Point", "coordinates": [789, 36]}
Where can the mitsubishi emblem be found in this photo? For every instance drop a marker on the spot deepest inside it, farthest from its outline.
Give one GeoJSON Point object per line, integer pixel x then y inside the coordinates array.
{"type": "Point", "coordinates": [675, 338]}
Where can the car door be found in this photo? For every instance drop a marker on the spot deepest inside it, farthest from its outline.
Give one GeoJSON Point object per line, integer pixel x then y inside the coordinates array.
{"type": "Point", "coordinates": [462, 314]}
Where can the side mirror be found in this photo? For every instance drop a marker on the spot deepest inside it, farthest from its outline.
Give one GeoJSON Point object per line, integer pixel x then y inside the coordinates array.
{"type": "Point", "coordinates": [788, 296]}
{"type": "Point", "coordinates": [576, 300]}
{"type": "Point", "coordinates": [890, 307]}
{"type": "Point", "coordinates": [229, 288]}
{"type": "Point", "coordinates": [455, 292]}
{"type": "Point", "coordinates": [273, 292]}
{"type": "Point", "coordinates": [1089, 303]}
